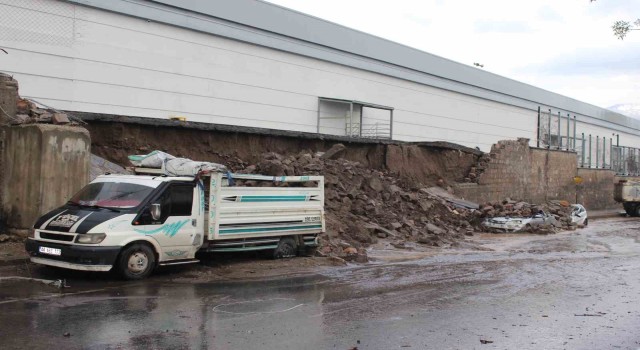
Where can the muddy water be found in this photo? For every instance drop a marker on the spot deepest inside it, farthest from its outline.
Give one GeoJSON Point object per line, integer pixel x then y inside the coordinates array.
{"type": "Point", "coordinates": [574, 290]}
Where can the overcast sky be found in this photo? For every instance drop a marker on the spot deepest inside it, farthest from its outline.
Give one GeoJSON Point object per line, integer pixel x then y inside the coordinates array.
{"type": "Point", "coordinates": [565, 46]}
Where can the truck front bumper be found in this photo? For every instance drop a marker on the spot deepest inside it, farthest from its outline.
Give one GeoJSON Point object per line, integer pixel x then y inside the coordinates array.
{"type": "Point", "coordinates": [75, 257]}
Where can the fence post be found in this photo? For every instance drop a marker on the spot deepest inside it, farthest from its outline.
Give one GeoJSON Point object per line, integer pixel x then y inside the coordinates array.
{"type": "Point", "coordinates": [604, 152]}
{"type": "Point", "coordinates": [559, 131]}
{"type": "Point", "coordinates": [597, 151]}
{"type": "Point", "coordinates": [538, 136]}
{"type": "Point", "coordinates": [549, 131]}
{"type": "Point", "coordinates": [568, 131]}
{"type": "Point", "coordinates": [583, 151]}
{"type": "Point", "coordinates": [611, 153]}
{"type": "Point", "coordinates": [589, 150]}
{"type": "Point", "coordinates": [624, 161]}
{"type": "Point", "coordinates": [574, 132]}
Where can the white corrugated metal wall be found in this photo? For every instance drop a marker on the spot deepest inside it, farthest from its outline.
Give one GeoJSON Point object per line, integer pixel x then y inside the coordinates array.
{"type": "Point", "coordinates": [83, 59]}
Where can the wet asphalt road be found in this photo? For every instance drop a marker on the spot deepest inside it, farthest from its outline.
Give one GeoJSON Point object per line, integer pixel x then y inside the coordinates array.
{"type": "Point", "coordinates": [575, 290]}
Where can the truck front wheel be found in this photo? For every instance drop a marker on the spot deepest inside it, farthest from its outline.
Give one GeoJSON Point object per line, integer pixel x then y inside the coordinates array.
{"type": "Point", "coordinates": [136, 262]}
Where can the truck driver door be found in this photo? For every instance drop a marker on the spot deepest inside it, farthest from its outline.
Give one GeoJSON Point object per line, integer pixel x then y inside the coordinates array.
{"type": "Point", "coordinates": [176, 229]}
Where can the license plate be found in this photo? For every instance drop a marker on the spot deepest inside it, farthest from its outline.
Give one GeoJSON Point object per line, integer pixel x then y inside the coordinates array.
{"type": "Point", "coordinates": [50, 251]}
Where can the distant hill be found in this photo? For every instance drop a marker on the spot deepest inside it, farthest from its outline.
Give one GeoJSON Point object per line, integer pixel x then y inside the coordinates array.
{"type": "Point", "coordinates": [629, 109]}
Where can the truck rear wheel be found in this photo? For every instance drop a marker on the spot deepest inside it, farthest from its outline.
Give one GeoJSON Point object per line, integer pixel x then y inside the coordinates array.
{"type": "Point", "coordinates": [287, 248]}
{"type": "Point", "coordinates": [136, 262]}
{"type": "Point", "coordinates": [630, 209]}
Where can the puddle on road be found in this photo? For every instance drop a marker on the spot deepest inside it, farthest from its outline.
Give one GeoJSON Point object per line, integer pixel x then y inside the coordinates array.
{"type": "Point", "coordinates": [14, 289]}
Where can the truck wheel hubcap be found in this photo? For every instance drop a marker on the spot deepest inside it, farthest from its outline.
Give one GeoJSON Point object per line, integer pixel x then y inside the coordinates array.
{"type": "Point", "coordinates": [138, 262]}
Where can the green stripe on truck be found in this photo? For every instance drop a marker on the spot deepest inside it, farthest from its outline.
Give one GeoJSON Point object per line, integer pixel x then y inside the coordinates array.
{"type": "Point", "coordinates": [273, 198]}
{"type": "Point", "coordinates": [267, 229]}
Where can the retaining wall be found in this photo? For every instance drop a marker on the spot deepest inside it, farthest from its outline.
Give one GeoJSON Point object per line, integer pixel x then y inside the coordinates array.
{"type": "Point", "coordinates": [44, 165]}
{"type": "Point", "coordinates": [514, 170]}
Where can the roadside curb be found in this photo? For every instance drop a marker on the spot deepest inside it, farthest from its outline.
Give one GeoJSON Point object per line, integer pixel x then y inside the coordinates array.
{"type": "Point", "coordinates": [613, 214]}
{"type": "Point", "coordinates": [13, 262]}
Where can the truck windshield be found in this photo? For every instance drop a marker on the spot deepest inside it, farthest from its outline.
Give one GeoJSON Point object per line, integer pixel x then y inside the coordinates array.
{"type": "Point", "coordinates": [112, 195]}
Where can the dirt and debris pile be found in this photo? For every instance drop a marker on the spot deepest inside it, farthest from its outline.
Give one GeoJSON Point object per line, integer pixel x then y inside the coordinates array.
{"type": "Point", "coordinates": [364, 205]}
{"type": "Point", "coordinates": [549, 217]}
{"type": "Point", "coordinates": [29, 113]}
{"type": "Point", "coordinates": [15, 110]}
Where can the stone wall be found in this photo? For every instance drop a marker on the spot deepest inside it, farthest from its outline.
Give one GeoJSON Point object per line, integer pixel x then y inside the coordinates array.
{"type": "Point", "coordinates": [44, 165]}
{"type": "Point", "coordinates": [535, 175]}
{"type": "Point", "coordinates": [596, 190]}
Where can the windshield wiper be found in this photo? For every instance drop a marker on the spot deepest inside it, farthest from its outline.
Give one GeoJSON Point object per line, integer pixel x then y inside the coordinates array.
{"type": "Point", "coordinates": [101, 207]}
{"type": "Point", "coordinates": [122, 195]}
{"type": "Point", "coordinates": [92, 206]}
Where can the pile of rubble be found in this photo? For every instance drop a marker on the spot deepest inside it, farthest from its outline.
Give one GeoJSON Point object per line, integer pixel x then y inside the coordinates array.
{"type": "Point", "coordinates": [364, 205]}
{"type": "Point", "coordinates": [29, 113]}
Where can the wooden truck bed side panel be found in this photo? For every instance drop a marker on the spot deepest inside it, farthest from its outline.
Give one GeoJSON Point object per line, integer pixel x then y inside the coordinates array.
{"type": "Point", "coordinates": [250, 212]}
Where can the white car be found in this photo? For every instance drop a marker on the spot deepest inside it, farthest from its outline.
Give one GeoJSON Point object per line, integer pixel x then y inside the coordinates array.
{"type": "Point", "coordinates": [509, 224]}
{"type": "Point", "coordinates": [579, 215]}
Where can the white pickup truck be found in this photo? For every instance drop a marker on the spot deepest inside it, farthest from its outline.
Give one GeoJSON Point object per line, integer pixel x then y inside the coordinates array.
{"type": "Point", "coordinates": [134, 223]}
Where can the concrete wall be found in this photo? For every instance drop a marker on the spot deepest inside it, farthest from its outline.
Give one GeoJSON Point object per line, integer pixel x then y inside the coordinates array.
{"type": "Point", "coordinates": [44, 165]}
{"type": "Point", "coordinates": [596, 191]}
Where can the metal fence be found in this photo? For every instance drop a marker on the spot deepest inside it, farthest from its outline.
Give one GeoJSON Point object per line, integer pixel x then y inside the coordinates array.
{"type": "Point", "coordinates": [559, 132]}
{"type": "Point", "coordinates": [556, 131]}
{"type": "Point", "coordinates": [595, 151]}
{"type": "Point", "coordinates": [600, 153]}
{"type": "Point", "coordinates": [625, 160]}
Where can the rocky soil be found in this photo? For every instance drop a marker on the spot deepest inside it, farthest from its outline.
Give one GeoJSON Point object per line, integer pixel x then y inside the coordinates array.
{"type": "Point", "coordinates": [365, 205]}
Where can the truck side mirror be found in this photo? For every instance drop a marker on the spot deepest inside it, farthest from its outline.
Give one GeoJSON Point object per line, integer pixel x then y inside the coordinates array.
{"type": "Point", "coordinates": [156, 213]}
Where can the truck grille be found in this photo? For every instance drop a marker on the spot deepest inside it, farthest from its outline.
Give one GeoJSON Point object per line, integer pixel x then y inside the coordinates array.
{"type": "Point", "coordinates": [56, 237]}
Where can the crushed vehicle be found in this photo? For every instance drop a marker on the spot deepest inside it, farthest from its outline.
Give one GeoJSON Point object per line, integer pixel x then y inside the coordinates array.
{"type": "Point", "coordinates": [579, 215]}
{"type": "Point", "coordinates": [167, 213]}
{"type": "Point", "coordinates": [519, 224]}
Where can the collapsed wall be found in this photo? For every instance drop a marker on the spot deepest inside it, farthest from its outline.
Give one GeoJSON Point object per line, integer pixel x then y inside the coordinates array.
{"type": "Point", "coordinates": [515, 170]}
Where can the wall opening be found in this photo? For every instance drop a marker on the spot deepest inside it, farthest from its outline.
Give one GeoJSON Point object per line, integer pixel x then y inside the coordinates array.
{"type": "Point", "coordinates": [354, 119]}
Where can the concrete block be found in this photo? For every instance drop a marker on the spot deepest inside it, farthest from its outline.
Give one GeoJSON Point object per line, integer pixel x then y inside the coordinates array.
{"type": "Point", "coordinates": [20, 119]}
{"type": "Point", "coordinates": [44, 118]}
{"type": "Point", "coordinates": [60, 118]}
{"type": "Point", "coordinates": [43, 166]}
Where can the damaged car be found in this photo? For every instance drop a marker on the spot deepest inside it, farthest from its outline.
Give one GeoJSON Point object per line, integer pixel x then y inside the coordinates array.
{"type": "Point", "coordinates": [519, 224]}
{"type": "Point", "coordinates": [579, 215]}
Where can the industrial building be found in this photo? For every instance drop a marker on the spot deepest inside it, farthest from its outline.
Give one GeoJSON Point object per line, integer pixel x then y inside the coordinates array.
{"type": "Point", "coordinates": [255, 64]}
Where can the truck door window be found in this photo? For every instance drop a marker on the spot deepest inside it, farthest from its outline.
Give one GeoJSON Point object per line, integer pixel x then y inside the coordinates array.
{"type": "Point", "coordinates": [176, 200]}
{"type": "Point", "coordinates": [181, 200]}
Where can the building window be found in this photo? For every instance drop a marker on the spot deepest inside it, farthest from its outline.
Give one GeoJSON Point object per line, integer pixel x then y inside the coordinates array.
{"type": "Point", "coordinates": [354, 119]}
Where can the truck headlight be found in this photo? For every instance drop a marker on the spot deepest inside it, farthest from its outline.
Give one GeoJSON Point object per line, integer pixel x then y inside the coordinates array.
{"type": "Point", "coordinates": [32, 233]}
{"type": "Point", "coordinates": [90, 238]}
